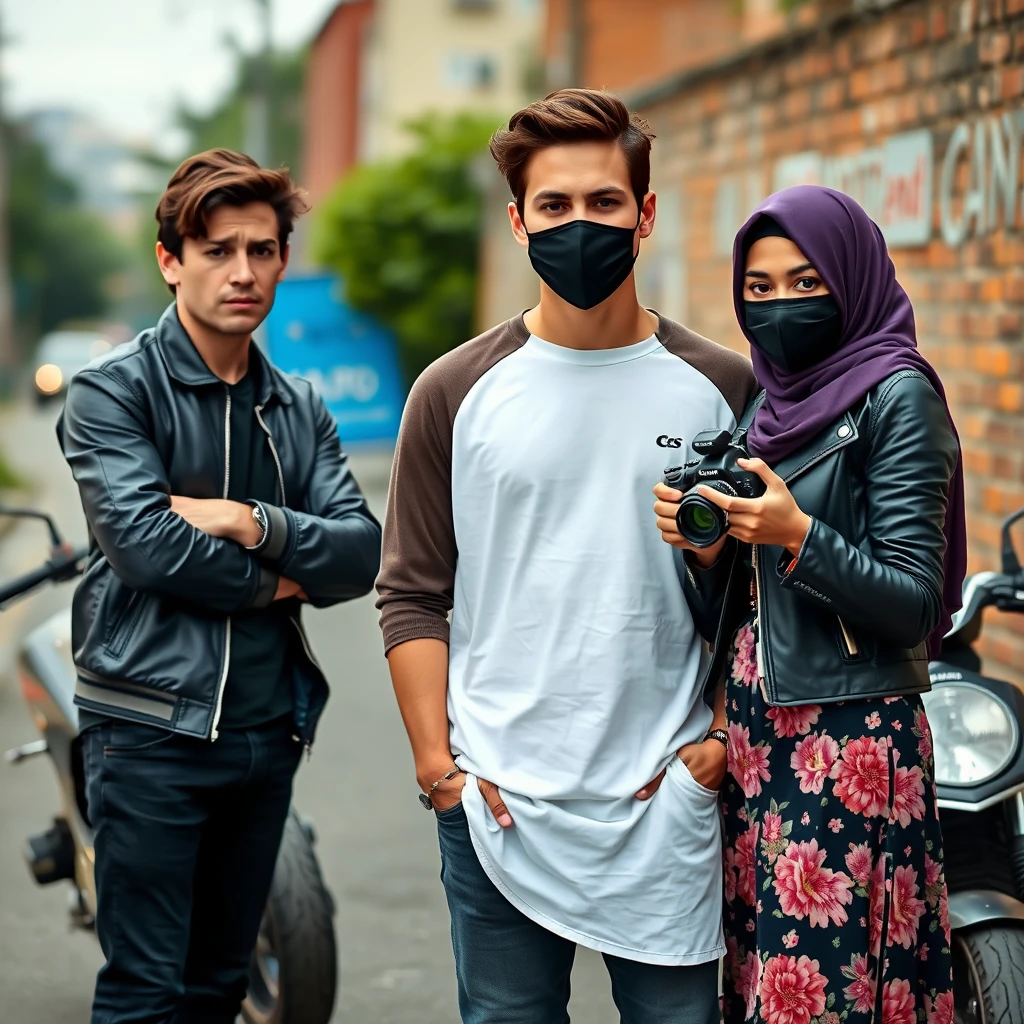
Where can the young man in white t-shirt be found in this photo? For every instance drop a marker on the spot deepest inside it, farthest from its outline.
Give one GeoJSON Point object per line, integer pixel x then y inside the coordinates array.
{"type": "Point", "coordinates": [570, 675]}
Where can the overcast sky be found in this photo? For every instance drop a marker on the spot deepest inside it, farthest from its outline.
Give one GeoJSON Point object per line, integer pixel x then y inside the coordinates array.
{"type": "Point", "coordinates": [127, 62]}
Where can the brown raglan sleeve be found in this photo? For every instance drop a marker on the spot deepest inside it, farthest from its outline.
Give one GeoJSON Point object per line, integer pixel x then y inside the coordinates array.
{"type": "Point", "coordinates": [729, 371]}
{"type": "Point", "coordinates": [416, 584]}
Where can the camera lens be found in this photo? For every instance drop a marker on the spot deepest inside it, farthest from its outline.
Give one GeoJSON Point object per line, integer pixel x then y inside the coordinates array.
{"type": "Point", "coordinates": [700, 521]}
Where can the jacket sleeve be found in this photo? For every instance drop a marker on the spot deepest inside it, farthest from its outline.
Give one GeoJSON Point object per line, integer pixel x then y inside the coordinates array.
{"type": "Point", "coordinates": [706, 589]}
{"type": "Point", "coordinates": [893, 586]}
{"type": "Point", "coordinates": [333, 550]}
{"type": "Point", "coordinates": [126, 497]}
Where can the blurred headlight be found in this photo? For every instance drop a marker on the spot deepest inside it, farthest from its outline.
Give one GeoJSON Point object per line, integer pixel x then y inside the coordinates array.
{"type": "Point", "coordinates": [974, 734]}
{"type": "Point", "coordinates": [49, 379]}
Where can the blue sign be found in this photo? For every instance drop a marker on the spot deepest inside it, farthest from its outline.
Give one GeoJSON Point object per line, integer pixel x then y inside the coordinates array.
{"type": "Point", "coordinates": [350, 359]}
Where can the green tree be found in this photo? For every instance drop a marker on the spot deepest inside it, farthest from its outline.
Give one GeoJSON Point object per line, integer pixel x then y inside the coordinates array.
{"type": "Point", "coordinates": [62, 258]}
{"type": "Point", "coordinates": [404, 236]}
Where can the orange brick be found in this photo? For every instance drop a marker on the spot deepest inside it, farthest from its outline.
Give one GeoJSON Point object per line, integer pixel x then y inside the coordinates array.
{"type": "Point", "coordinates": [1010, 397]}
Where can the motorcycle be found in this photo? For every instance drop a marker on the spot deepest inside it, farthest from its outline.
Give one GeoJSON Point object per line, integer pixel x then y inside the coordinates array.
{"type": "Point", "coordinates": [293, 973]}
{"type": "Point", "coordinates": [976, 725]}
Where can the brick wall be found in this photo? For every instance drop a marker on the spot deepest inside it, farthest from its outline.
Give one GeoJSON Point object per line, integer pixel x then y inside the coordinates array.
{"type": "Point", "coordinates": [333, 86]}
{"type": "Point", "coordinates": [918, 109]}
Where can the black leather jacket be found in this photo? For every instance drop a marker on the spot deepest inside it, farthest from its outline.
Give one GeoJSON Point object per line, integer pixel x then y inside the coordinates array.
{"type": "Point", "coordinates": [851, 618]}
{"type": "Point", "coordinates": [151, 618]}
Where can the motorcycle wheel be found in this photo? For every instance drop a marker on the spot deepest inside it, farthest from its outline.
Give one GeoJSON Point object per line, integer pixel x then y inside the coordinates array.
{"type": "Point", "coordinates": [294, 974]}
{"type": "Point", "coordinates": [988, 976]}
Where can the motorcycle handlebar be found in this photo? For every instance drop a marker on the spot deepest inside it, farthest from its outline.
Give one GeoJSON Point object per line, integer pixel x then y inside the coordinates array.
{"type": "Point", "coordinates": [63, 565]}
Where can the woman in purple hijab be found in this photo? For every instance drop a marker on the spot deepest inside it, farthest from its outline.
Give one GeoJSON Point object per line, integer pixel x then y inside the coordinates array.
{"type": "Point", "coordinates": [822, 603]}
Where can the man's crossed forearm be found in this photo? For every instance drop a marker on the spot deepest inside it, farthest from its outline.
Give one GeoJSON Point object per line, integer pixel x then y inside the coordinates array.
{"type": "Point", "coordinates": [229, 520]}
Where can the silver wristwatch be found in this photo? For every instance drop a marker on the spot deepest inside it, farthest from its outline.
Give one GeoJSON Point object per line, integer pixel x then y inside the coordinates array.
{"type": "Point", "coordinates": [260, 518]}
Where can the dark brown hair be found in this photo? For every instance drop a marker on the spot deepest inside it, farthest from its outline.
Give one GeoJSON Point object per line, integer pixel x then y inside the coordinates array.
{"type": "Point", "coordinates": [221, 177]}
{"type": "Point", "coordinates": [573, 115]}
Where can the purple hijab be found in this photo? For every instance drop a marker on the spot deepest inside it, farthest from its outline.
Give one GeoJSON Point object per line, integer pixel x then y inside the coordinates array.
{"type": "Point", "coordinates": [879, 338]}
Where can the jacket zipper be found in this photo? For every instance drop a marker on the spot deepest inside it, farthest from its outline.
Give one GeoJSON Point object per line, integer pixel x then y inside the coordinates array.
{"type": "Point", "coordinates": [309, 654]}
{"type": "Point", "coordinates": [273, 451]}
{"type": "Point", "coordinates": [298, 626]}
{"type": "Point", "coordinates": [852, 650]}
{"type": "Point", "coordinates": [227, 622]}
{"type": "Point", "coordinates": [760, 625]}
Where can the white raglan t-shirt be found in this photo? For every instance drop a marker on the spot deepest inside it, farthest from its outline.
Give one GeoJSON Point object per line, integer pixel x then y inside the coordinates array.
{"type": "Point", "coordinates": [575, 670]}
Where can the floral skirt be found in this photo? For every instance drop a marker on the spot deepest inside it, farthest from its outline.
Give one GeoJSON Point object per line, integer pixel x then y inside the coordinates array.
{"type": "Point", "coordinates": [833, 853]}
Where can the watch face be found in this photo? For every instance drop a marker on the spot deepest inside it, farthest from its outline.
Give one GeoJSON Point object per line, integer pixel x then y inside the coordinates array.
{"type": "Point", "coordinates": [261, 519]}
{"type": "Point", "coordinates": [425, 800]}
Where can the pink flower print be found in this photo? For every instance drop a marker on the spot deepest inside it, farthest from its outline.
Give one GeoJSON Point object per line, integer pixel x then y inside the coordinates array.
{"type": "Point", "coordinates": [907, 851]}
{"type": "Point", "coordinates": [748, 765]}
{"type": "Point", "coordinates": [891, 700]}
{"type": "Point", "coordinates": [805, 818]}
{"type": "Point", "coordinates": [862, 776]}
{"type": "Point", "coordinates": [858, 863]}
{"type": "Point", "coordinates": [744, 664]}
{"type": "Point", "coordinates": [908, 799]}
{"type": "Point", "coordinates": [806, 889]}
{"type": "Point", "coordinates": [905, 909]}
{"type": "Point", "coordinates": [923, 730]}
{"type": "Point", "coordinates": [746, 864]}
{"type": "Point", "coordinates": [934, 883]}
{"type": "Point", "coordinates": [730, 874]}
{"type": "Point", "coordinates": [898, 1003]}
{"type": "Point", "coordinates": [814, 760]}
{"type": "Point", "coordinates": [835, 825]}
{"type": "Point", "coordinates": [862, 991]}
{"type": "Point", "coordinates": [876, 904]}
{"type": "Point", "coordinates": [792, 990]}
{"type": "Point", "coordinates": [897, 725]}
{"type": "Point", "coordinates": [796, 721]}
{"type": "Point", "coordinates": [749, 981]}
{"type": "Point", "coordinates": [790, 939]}
{"type": "Point", "coordinates": [944, 915]}
{"type": "Point", "coordinates": [771, 831]}
{"type": "Point", "coordinates": [873, 721]}
{"type": "Point", "coordinates": [940, 1010]}
{"type": "Point", "coordinates": [751, 926]}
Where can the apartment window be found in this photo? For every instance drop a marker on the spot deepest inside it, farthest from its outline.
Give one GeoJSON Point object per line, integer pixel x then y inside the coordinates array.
{"type": "Point", "coordinates": [470, 71]}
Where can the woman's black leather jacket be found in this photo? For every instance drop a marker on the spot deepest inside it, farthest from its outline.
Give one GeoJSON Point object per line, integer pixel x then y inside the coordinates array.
{"type": "Point", "coordinates": [851, 618]}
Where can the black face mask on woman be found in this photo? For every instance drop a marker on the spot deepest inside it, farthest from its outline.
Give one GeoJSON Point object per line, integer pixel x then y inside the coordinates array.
{"type": "Point", "coordinates": [582, 261]}
{"type": "Point", "coordinates": [794, 334]}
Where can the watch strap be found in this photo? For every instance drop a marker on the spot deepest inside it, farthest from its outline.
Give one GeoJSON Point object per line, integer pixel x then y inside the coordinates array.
{"type": "Point", "coordinates": [718, 734]}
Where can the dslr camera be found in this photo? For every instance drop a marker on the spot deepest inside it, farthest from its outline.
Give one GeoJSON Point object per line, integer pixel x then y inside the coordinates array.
{"type": "Point", "coordinates": [718, 452]}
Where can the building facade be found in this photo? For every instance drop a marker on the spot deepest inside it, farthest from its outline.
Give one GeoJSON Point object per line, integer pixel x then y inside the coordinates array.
{"type": "Point", "coordinates": [378, 63]}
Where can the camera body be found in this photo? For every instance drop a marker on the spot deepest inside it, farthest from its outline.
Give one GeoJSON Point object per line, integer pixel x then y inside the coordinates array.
{"type": "Point", "coordinates": [718, 452]}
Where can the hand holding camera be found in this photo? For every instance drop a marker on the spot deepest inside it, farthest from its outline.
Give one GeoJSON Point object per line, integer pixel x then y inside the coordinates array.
{"type": "Point", "coordinates": [725, 493]}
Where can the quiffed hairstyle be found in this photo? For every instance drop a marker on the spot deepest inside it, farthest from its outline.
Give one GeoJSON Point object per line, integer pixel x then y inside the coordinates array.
{"type": "Point", "coordinates": [222, 177]}
{"type": "Point", "coordinates": [572, 115]}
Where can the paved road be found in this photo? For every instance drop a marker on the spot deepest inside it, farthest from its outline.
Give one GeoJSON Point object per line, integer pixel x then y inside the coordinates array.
{"type": "Point", "coordinates": [377, 847]}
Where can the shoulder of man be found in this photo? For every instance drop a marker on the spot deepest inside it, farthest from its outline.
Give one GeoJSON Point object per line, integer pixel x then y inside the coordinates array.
{"type": "Point", "coordinates": [730, 372]}
{"type": "Point", "coordinates": [444, 384]}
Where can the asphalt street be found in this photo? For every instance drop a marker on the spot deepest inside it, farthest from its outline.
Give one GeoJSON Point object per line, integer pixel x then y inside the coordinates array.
{"type": "Point", "coordinates": [377, 847]}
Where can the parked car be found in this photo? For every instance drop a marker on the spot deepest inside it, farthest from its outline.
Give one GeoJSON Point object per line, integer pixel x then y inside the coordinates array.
{"type": "Point", "coordinates": [61, 354]}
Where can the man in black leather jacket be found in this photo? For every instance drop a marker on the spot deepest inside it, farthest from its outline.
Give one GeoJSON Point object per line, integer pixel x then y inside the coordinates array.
{"type": "Point", "coordinates": [219, 501]}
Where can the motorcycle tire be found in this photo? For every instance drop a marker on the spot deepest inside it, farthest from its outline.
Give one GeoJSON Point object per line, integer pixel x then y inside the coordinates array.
{"type": "Point", "coordinates": [988, 975]}
{"type": "Point", "coordinates": [294, 974]}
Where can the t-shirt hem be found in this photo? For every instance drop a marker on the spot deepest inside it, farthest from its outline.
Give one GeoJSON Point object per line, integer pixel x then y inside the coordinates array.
{"type": "Point", "coordinates": [582, 938]}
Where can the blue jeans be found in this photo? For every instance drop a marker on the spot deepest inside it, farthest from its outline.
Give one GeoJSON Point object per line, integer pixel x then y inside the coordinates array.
{"type": "Point", "coordinates": [512, 971]}
{"type": "Point", "coordinates": [187, 834]}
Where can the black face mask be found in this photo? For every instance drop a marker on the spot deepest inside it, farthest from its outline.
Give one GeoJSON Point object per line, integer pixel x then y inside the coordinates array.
{"type": "Point", "coordinates": [581, 261]}
{"type": "Point", "coordinates": [794, 334]}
